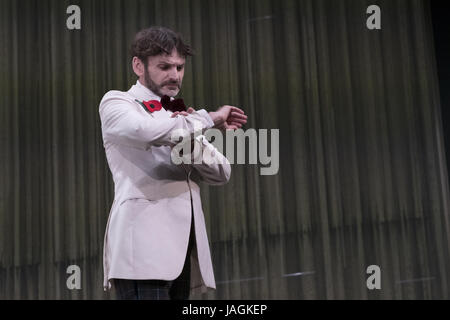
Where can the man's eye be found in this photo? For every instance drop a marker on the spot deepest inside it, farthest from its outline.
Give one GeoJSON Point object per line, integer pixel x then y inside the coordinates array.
{"type": "Point", "coordinates": [179, 68]}
{"type": "Point", "coordinates": [164, 68]}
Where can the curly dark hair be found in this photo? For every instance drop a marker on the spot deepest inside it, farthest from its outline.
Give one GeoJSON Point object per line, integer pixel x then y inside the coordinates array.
{"type": "Point", "coordinates": [156, 40]}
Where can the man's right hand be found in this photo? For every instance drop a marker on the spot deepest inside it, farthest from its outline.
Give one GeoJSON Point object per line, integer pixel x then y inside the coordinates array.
{"type": "Point", "coordinates": [228, 118]}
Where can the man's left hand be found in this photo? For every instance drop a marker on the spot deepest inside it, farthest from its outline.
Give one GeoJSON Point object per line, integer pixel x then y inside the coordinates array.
{"type": "Point", "coordinates": [183, 113]}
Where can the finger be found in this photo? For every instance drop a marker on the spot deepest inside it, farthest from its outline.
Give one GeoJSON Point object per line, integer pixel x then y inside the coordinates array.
{"type": "Point", "coordinates": [243, 121]}
{"type": "Point", "coordinates": [237, 124]}
{"type": "Point", "coordinates": [238, 110]}
{"type": "Point", "coordinates": [190, 110]}
{"type": "Point", "coordinates": [237, 119]}
{"type": "Point", "coordinates": [184, 113]}
{"type": "Point", "coordinates": [174, 114]}
{"type": "Point", "coordinates": [238, 115]}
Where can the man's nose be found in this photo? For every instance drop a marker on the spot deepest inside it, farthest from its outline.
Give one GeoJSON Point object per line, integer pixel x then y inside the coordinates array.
{"type": "Point", "coordinates": [174, 74]}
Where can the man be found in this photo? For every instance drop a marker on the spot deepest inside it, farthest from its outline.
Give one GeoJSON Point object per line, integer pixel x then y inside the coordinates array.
{"type": "Point", "coordinates": [156, 246]}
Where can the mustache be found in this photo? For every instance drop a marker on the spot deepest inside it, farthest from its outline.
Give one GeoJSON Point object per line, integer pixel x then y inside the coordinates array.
{"type": "Point", "coordinates": [174, 83]}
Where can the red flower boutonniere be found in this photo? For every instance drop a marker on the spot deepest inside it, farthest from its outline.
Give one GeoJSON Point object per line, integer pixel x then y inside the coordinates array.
{"type": "Point", "coordinates": [150, 106]}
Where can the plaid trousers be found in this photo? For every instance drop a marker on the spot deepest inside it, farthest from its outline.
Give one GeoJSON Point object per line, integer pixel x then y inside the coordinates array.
{"type": "Point", "coordinates": [178, 289]}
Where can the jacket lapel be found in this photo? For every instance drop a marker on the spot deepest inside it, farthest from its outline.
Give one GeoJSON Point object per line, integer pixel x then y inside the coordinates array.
{"type": "Point", "coordinates": [142, 93]}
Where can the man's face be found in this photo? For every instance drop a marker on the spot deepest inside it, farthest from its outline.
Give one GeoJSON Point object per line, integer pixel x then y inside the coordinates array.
{"type": "Point", "coordinates": [164, 74]}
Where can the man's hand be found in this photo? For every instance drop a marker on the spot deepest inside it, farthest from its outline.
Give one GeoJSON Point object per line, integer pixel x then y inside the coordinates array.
{"type": "Point", "coordinates": [183, 113]}
{"type": "Point", "coordinates": [228, 118]}
{"type": "Point", "coordinates": [225, 118]}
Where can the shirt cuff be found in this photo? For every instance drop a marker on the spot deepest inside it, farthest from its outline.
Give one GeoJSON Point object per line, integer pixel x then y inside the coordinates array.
{"type": "Point", "coordinates": [206, 116]}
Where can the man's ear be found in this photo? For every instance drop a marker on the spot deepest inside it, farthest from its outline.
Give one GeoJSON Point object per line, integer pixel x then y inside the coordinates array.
{"type": "Point", "coordinates": [138, 66]}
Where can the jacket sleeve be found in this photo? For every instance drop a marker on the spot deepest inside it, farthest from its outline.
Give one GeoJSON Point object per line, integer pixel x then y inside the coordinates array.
{"type": "Point", "coordinates": [123, 123]}
{"type": "Point", "coordinates": [214, 168]}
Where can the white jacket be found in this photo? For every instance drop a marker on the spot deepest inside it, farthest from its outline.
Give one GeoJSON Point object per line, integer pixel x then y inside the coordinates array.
{"type": "Point", "coordinates": [148, 227]}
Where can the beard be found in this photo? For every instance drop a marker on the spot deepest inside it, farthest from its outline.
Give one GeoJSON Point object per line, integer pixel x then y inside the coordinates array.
{"type": "Point", "coordinates": [158, 89]}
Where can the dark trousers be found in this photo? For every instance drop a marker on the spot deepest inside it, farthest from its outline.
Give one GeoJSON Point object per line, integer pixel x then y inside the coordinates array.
{"type": "Point", "coordinates": [177, 289]}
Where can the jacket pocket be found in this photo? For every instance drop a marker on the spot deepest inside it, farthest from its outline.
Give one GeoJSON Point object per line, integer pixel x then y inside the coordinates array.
{"type": "Point", "coordinates": [138, 200]}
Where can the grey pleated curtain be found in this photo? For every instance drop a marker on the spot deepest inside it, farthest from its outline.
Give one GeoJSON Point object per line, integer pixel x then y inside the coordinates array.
{"type": "Point", "coordinates": [362, 178]}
